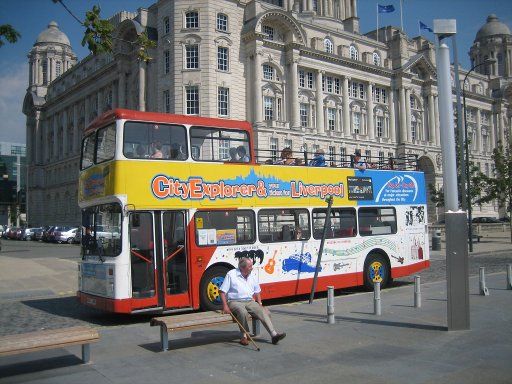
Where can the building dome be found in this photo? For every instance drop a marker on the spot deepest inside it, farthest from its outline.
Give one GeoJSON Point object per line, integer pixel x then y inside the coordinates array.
{"type": "Point", "coordinates": [492, 27]}
{"type": "Point", "coordinates": [53, 35]}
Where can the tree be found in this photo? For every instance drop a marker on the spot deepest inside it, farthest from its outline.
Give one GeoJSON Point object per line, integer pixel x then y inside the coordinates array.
{"type": "Point", "coordinates": [99, 34]}
{"type": "Point", "coordinates": [8, 33]}
{"type": "Point", "coordinates": [499, 186]}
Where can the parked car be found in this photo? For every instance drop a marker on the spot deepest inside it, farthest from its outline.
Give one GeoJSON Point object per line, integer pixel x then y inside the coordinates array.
{"type": "Point", "coordinates": [11, 234]}
{"type": "Point", "coordinates": [505, 219]}
{"type": "Point", "coordinates": [65, 234]}
{"type": "Point", "coordinates": [28, 233]}
{"type": "Point", "coordinates": [46, 233]}
{"type": "Point", "coordinates": [38, 234]}
{"type": "Point", "coordinates": [485, 219]}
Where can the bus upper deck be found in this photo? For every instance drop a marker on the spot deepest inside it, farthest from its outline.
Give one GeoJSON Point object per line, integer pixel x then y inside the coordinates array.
{"type": "Point", "coordinates": [156, 136]}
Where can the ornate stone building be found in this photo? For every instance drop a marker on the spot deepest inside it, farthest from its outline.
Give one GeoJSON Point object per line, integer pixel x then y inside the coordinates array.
{"type": "Point", "coordinates": [299, 70]}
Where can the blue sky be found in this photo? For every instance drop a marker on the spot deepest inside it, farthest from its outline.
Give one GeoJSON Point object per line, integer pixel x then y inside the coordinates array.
{"type": "Point", "coordinates": [30, 17]}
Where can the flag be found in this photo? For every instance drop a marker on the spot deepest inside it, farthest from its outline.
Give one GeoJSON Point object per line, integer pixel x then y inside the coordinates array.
{"type": "Point", "coordinates": [425, 26]}
{"type": "Point", "coordinates": [386, 8]}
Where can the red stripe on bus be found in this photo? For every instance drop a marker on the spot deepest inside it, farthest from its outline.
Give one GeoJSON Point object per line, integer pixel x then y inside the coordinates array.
{"type": "Point", "coordinates": [409, 269]}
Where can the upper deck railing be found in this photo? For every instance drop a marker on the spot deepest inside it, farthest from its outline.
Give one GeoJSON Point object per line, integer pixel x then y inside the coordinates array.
{"type": "Point", "coordinates": [407, 162]}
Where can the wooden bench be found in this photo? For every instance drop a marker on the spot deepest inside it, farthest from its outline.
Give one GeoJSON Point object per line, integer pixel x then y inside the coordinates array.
{"type": "Point", "coordinates": [49, 339]}
{"type": "Point", "coordinates": [193, 320]}
{"type": "Point", "coordinates": [476, 237]}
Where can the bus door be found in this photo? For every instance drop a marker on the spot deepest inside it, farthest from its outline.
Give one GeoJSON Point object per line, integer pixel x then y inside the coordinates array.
{"type": "Point", "coordinates": [142, 260]}
{"type": "Point", "coordinates": [174, 274]}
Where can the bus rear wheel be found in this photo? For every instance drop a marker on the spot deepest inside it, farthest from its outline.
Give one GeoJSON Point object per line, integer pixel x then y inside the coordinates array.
{"type": "Point", "coordinates": [209, 293]}
{"type": "Point", "coordinates": [376, 269]}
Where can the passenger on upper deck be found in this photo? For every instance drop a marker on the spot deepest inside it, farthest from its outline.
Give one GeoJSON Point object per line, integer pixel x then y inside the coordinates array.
{"type": "Point", "coordinates": [242, 153]}
{"type": "Point", "coordinates": [233, 155]}
{"type": "Point", "coordinates": [141, 152]}
{"type": "Point", "coordinates": [319, 159]}
{"type": "Point", "coordinates": [157, 151]}
{"type": "Point", "coordinates": [177, 152]}
{"type": "Point", "coordinates": [286, 157]}
{"type": "Point", "coordinates": [358, 163]}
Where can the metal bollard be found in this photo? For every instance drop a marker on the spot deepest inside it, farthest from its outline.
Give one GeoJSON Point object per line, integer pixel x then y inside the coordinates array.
{"type": "Point", "coordinates": [330, 305]}
{"type": "Point", "coordinates": [509, 276]}
{"type": "Point", "coordinates": [376, 299]}
{"type": "Point", "coordinates": [483, 289]}
{"type": "Point", "coordinates": [417, 292]}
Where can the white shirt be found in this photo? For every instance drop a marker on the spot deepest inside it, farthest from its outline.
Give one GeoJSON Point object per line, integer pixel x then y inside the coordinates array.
{"type": "Point", "coordinates": [237, 287]}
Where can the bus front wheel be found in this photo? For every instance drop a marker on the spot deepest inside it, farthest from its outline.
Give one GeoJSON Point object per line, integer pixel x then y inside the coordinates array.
{"type": "Point", "coordinates": [210, 288]}
{"type": "Point", "coordinates": [376, 269]}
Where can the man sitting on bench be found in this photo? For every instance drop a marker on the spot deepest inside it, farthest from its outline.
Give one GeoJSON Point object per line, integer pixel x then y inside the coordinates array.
{"type": "Point", "coordinates": [240, 294]}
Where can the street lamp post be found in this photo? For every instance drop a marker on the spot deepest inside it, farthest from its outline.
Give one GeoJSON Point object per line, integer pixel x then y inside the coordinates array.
{"type": "Point", "coordinates": [466, 149]}
{"type": "Point", "coordinates": [456, 221]}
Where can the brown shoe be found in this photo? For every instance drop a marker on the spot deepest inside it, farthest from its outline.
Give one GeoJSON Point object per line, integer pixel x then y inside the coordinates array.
{"type": "Point", "coordinates": [244, 341]}
{"type": "Point", "coordinates": [279, 336]}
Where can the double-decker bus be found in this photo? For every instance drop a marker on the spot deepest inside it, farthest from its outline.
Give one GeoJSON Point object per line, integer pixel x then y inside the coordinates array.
{"type": "Point", "coordinates": [170, 203]}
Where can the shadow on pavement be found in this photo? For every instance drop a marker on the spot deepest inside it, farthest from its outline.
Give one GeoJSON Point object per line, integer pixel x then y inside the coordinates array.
{"type": "Point", "coordinates": [322, 319]}
{"type": "Point", "coordinates": [69, 307]}
{"type": "Point", "coordinates": [197, 339]}
{"type": "Point", "coordinates": [39, 365]}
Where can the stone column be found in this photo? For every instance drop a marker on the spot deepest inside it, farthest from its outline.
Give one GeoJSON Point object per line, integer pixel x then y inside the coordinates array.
{"type": "Point", "coordinates": [258, 95]}
{"type": "Point", "coordinates": [142, 86]}
{"type": "Point", "coordinates": [501, 127]}
{"type": "Point", "coordinates": [39, 72]}
{"type": "Point", "coordinates": [346, 108]}
{"type": "Point", "coordinates": [392, 121]}
{"type": "Point", "coordinates": [55, 136]}
{"type": "Point", "coordinates": [37, 139]}
{"type": "Point", "coordinates": [76, 136]}
{"type": "Point", "coordinates": [294, 94]}
{"type": "Point", "coordinates": [408, 115]}
{"type": "Point", "coordinates": [403, 120]}
{"type": "Point", "coordinates": [121, 89]}
{"type": "Point", "coordinates": [478, 143]}
{"type": "Point", "coordinates": [431, 119]}
{"type": "Point", "coordinates": [87, 111]}
{"type": "Point", "coordinates": [115, 95]}
{"type": "Point", "coordinates": [339, 119]}
{"type": "Point", "coordinates": [369, 100]}
{"type": "Point", "coordinates": [436, 120]}
{"type": "Point", "coordinates": [319, 103]}
{"type": "Point", "coordinates": [65, 148]}
{"type": "Point", "coordinates": [492, 135]}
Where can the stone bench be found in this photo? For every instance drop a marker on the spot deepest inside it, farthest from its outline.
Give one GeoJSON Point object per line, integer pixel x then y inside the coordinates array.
{"type": "Point", "coordinates": [49, 339]}
{"type": "Point", "coordinates": [193, 320]}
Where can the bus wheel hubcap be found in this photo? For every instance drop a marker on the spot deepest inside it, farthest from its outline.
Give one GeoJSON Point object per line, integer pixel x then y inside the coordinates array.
{"type": "Point", "coordinates": [213, 289]}
{"type": "Point", "coordinates": [376, 272]}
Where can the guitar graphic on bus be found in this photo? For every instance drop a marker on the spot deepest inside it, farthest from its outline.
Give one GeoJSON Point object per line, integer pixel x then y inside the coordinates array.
{"type": "Point", "coordinates": [269, 268]}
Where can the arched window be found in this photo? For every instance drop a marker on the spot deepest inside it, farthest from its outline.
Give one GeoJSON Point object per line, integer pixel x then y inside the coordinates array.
{"type": "Point", "coordinates": [269, 72]}
{"type": "Point", "coordinates": [354, 54]}
{"type": "Point", "coordinates": [376, 59]}
{"type": "Point", "coordinates": [328, 45]}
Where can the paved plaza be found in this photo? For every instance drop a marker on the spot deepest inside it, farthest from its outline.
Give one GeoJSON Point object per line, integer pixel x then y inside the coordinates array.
{"type": "Point", "coordinates": [404, 345]}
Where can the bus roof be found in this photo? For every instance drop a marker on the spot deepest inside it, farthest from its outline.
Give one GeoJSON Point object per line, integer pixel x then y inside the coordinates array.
{"type": "Point", "coordinates": [116, 114]}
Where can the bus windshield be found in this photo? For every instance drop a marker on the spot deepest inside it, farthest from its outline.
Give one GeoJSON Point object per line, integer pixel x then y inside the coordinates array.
{"type": "Point", "coordinates": [101, 226]}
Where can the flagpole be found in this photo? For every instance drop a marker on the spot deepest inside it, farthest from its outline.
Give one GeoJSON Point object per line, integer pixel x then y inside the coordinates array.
{"type": "Point", "coordinates": [377, 9]}
{"type": "Point", "coordinates": [401, 18]}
